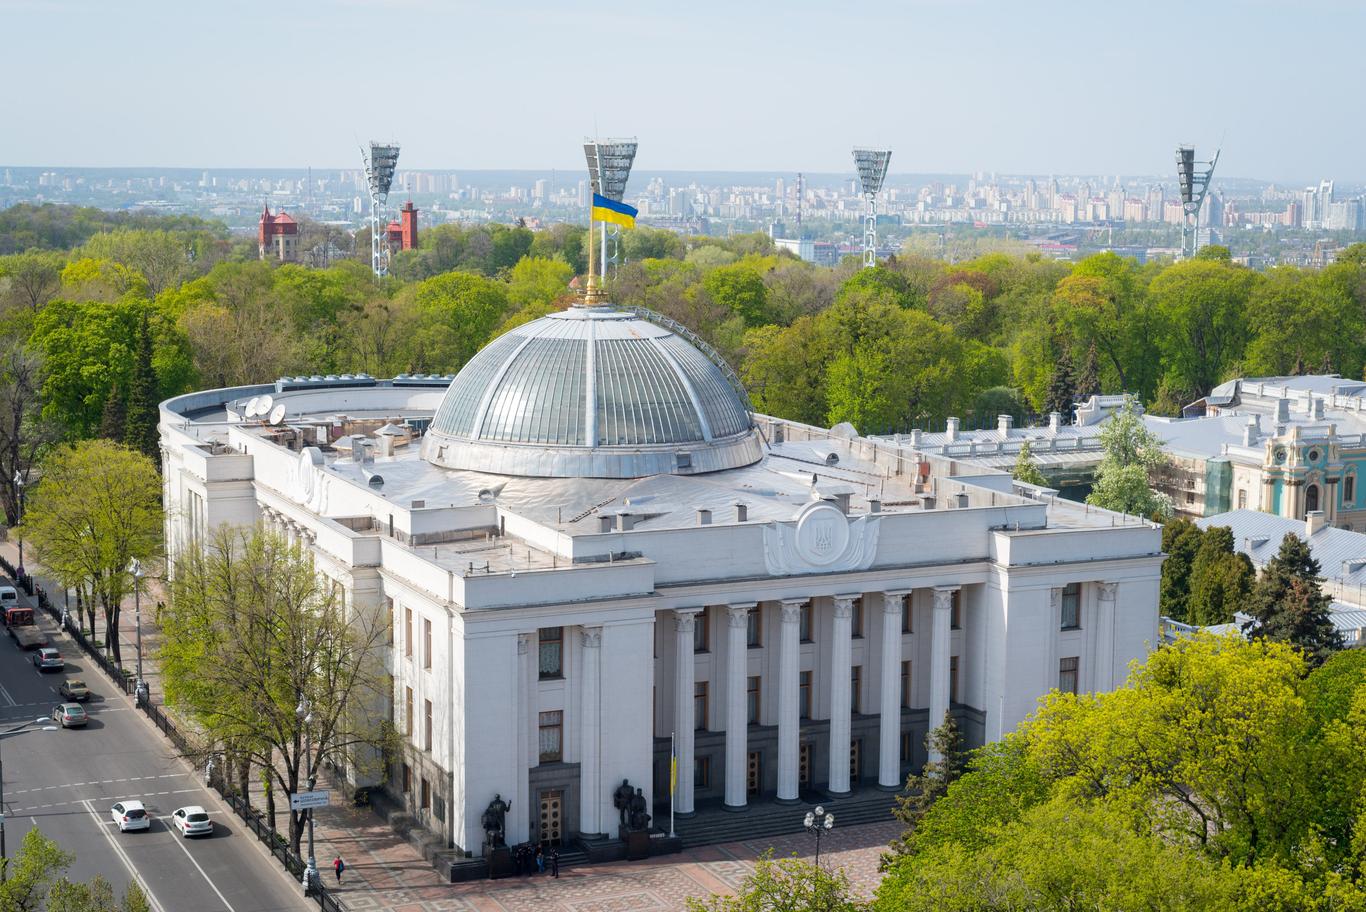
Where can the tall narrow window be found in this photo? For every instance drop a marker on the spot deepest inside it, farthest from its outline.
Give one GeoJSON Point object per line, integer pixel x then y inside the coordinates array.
{"type": "Point", "coordinates": [855, 680]}
{"type": "Point", "coordinates": [907, 615]}
{"type": "Point", "coordinates": [699, 705]}
{"type": "Point", "coordinates": [754, 628]}
{"type": "Point", "coordinates": [752, 700]}
{"type": "Point", "coordinates": [408, 711]}
{"type": "Point", "coordinates": [408, 632]}
{"type": "Point", "coordinates": [956, 612]}
{"type": "Point", "coordinates": [551, 736]}
{"type": "Point", "coordinates": [427, 643]}
{"type": "Point", "coordinates": [1071, 606]}
{"type": "Point", "coordinates": [804, 694]}
{"type": "Point", "coordinates": [804, 623]}
{"type": "Point", "coordinates": [953, 679]}
{"type": "Point", "coordinates": [427, 725]}
{"type": "Point", "coordinates": [856, 619]}
{"type": "Point", "coordinates": [551, 652]}
{"type": "Point", "coordinates": [1349, 489]}
{"type": "Point", "coordinates": [1311, 498]}
{"type": "Point", "coordinates": [425, 794]}
{"type": "Point", "coordinates": [701, 635]}
{"type": "Point", "coordinates": [1242, 499]}
{"type": "Point", "coordinates": [906, 685]}
{"type": "Point", "coordinates": [1067, 674]}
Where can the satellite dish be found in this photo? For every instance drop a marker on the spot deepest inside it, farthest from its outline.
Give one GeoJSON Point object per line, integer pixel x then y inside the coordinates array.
{"type": "Point", "coordinates": [277, 414]}
{"type": "Point", "coordinates": [263, 405]}
{"type": "Point", "coordinates": [253, 407]}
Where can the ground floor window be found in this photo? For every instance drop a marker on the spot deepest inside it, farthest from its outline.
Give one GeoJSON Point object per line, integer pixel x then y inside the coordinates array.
{"type": "Point", "coordinates": [552, 736]}
{"type": "Point", "coordinates": [1067, 674]}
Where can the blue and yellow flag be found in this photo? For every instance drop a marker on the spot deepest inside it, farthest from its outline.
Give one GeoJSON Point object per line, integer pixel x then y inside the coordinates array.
{"type": "Point", "coordinates": [609, 210]}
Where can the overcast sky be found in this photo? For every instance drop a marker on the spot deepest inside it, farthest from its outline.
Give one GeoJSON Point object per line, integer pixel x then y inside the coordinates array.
{"type": "Point", "coordinates": [950, 85]}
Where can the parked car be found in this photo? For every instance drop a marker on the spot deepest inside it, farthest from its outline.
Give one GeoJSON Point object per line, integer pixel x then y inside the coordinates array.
{"type": "Point", "coordinates": [192, 821]}
{"type": "Point", "coordinates": [48, 658]}
{"type": "Point", "coordinates": [130, 815]}
{"type": "Point", "coordinates": [74, 689]}
{"type": "Point", "coordinates": [70, 715]}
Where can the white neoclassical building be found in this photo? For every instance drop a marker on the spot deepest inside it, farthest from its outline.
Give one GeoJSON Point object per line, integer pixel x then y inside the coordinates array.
{"type": "Point", "coordinates": [589, 548]}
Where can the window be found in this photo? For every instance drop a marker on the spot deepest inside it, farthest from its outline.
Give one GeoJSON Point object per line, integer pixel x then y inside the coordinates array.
{"type": "Point", "coordinates": [956, 611]}
{"type": "Point", "coordinates": [408, 632]}
{"type": "Point", "coordinates": [426, 795]}
{"type": "Point", "coordinates": [1190, 498]}
{"type": "Point", "coordinates": [407, 778]}
{"type": "Point", "coordinates": [953, 679]}
{"type": "Point", "coordinates": [907, 615]}
{"type": "Point", "coordinates": [408, 711]}
{"type": "Point", "coordinates": [804, 694]}
{"type": "Point", "coordinates": [804, 623]}
{"type": "Point", "coordinates": [389, 607]}
{"type": "Point", "coordinates": [856, 619]}
{"type": "Point", "coordinates": [1311, 498]}
{"type": "Point", "coordinates": [699, 705]}
{"type": "Point", "coordinates": [752, 700]}
{"type": "Point", "coordinates": [1242, 499]}
{"type": "Point", "coordinates": [552, 736]}
{"type": "Point", "coordinates": [906, 685]}
{"type": "Point", "coordinates": [551, 661]}
{"type": "Point", "coordinates": [1349, 489]}
{"type": "Point", "coordinates": [701, 772]}
{"type": "Point", "coordinates": [1071, 606]}
{"type": "Point", "coordinates": [427, 725]}
{"type": "Point", "coordinates": [855, 679]}
{"type": "Point", "coordinates": [1067, 674]}
{"type": "Point", "coordinates": [427, 644]}
{"type": "Point", "coordinates": [754, 628]}
{"type": "Point", "coordinates": [701, 634]}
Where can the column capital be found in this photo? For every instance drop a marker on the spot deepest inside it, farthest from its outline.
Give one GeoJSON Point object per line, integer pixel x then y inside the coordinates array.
{"type": "Point", "coordinates": [590, 637]}
{"type": "Point", "coordinates": [1108, 591]}
{"type": "Point", "coordinates": [892, 600]}
{"type": "Point", "coordinates": [943, 597]}
{"type": "Point", "coordinates": [738, 613]}
{"type": "Point", "coordinates": [1055, 597]}
{"type": "Point", "coordinates": [844, 604]}
{"type": "Point", "coordinates": [792, 610]}
{"type": "Point", "coordinates": [896, 593]}
{"type": "Point", "coordinates": [685, 619]}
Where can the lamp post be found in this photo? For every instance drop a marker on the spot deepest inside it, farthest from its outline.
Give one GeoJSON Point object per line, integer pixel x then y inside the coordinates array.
{"type": "Point", "coordinates": [19, 491]}
{"type": "Point", "coordinates": [302, 713]}
{"type": "Point", "coordinates": [819, 822]}
{"type": "Point", "coordinates": [135, 569]}
{"type": "Point", "coordinates": [22, 729]}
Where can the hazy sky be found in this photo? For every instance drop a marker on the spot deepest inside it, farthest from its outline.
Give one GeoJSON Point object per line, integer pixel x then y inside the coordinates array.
{"type": "Point", "coordinates": [950, 85]}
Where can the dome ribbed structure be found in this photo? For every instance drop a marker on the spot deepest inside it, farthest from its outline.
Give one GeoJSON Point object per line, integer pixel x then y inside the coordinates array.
{"type": "Point", "coordinates": [592, 392]}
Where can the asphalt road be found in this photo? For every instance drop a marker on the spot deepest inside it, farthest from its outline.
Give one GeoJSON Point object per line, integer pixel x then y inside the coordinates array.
{"type": "Point", "coordinates": [64, 782]}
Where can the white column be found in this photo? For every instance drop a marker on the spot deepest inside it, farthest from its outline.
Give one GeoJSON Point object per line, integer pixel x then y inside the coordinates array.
{"type": "Point", "coordinates": [889, 705]}
{"type": "Point", "coordinates": [939, 657]}
{"type": "Point", "coordinates": [1050, 678]}
{"type": "Point", "coordinates": [527, 748]}
{"type": "Point", "coordinates": [789, 699]}
{"type": "Point", "coordinates": [737, 723]}
{"type": "Point", "coordinates": [837, 780]}
{"type": "Point", "coordinates": [590, 728]}
{"type": "Point", "coordinates": [1105, 637]}
{"type": "Point", "coordinates": [685, 721]}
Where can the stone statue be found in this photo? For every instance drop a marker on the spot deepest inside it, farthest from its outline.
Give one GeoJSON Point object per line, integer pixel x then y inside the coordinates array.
{"type": "Point", "coordinates": [621, 799]}
{"type": "Point", "coordinates": [494, 821]}
{"type": "Point", "coordinates": [639, 819]}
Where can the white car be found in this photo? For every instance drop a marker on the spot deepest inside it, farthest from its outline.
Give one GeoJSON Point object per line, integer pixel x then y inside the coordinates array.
{"type": "Point", "coordinates": [130, 815]}
{"type": "Point", "coordinates": [192, 821]}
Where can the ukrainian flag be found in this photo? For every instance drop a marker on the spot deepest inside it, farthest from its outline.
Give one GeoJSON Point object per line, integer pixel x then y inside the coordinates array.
{"type": "Point", "coordinates": [609, 210]}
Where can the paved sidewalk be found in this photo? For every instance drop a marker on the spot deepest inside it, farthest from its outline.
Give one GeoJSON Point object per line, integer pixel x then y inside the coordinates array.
{"type": "Point", "coordinates": [384, 873]}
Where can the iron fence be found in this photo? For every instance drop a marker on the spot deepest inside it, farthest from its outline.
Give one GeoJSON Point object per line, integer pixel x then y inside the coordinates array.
{"type": "Point", "coordinates": [275, 843]}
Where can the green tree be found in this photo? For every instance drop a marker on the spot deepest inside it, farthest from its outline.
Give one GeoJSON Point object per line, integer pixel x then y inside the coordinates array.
{"type": "Point", "coordinates": [1200, 305]}
{"type": "Point", "coordinates": [947, 760]}
{"type": "Point", "coordinates": [25, 435]}
{"type": "Point", "coordinates": [1131, 452]}
{"type": "Point", "coordinates": [1288, 605]}
{"type": "Point", "coordinates": [96, 508]}
{"type": "Point", "coordinates": [740, 289]}
{"type": "Point", "coordinates": [1027, 468]}
{"type": "Point", "coordinates": [1061, 387]}
{"type": "Point", "coordinates": [786, 885]}
{"type": "Point", "coordinates": [114, 418]}
{"type": "Point", "coordinates": [1181, 540]}
{"type": "Point", "coordinates": [1103, 304]}
{"type": "Point", "coordinates": [784, 371]}
{"type": "Point", "coordinates": [140, 433]}
{"type": "Point", "coordinates": [454, 316]}
{"type": "Point", "coordinates": [1297, 317]}
{"type": "Point", "coordinates": [1088, 381]}
{"type": "Point", "coordinates": [253, 627]}
{"type": "Point", "coordinates": [30, 279]}
{"type": "Point", "coordinates": [538, 281]}
{"type": "Point", "coordinates": [1220, 579]}
{"type": "Point", "coordinates": [32, 882]}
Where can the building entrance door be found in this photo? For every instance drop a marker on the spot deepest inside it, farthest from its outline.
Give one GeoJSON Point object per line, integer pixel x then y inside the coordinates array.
{"type": "Point", "coordinates": [855, 762]}
{"type": "Point", "coordinates": [804, 764]}
{"type": "Point", "coordinates": [551, 829]}
{"type": "Point", "coordinates": [754, 773]}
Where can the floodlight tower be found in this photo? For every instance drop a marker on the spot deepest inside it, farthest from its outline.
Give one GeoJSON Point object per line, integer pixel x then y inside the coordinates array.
{"type": "Point", "coordinates": [1193, 177]}
{"type": "Point", "coordinates": [380, 163]}
{"type": "Point", "coordinates": [872, 170]}
{"type": "Point", "coordinates": [609, 167]}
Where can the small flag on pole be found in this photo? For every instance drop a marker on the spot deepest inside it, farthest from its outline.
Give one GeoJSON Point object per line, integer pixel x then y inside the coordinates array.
{"type": "Point", "coordinates": [609, 210]}
{"type": "Point", "coordinates": [673, 775]}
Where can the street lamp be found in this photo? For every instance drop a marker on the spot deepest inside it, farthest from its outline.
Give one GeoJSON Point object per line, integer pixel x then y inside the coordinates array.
{"type": "Point", "coordinates": [301, 712]}
{"type": "Point", "coordinates": [22, 729]}
{"type": "Point", "coordinates": [19, 489]}
{"type": "Point", "coordinates": [818, 823]}
{"type": "Point", "coordinates": [135, 569]}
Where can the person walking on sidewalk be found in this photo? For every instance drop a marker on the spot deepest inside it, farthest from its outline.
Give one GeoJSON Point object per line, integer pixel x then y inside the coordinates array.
{"type": "Point", "coordinates": [339, 866]}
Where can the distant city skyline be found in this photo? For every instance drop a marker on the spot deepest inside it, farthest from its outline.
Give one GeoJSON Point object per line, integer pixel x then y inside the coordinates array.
{"type": "Point", "coordinates": [951, 87]}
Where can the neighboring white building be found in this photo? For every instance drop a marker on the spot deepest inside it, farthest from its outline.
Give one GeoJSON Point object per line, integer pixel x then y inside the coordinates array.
{"type": "Point", "coordinates": [586, 543]}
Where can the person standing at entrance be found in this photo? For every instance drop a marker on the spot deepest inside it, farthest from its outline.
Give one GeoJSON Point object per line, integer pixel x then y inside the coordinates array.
{"type": "Point", "coordinates": [555, 863]}
{"type": "Point", "coordinates": [540, 860]}
{"type": "Point", "coordinates": [339, 866]}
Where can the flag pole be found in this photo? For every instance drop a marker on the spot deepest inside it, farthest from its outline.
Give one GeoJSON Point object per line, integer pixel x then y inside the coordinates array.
{"type": "Point", "coordinates": [673, 781]}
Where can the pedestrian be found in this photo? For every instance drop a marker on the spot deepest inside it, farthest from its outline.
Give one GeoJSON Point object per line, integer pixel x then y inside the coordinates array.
{"type": "Point", "coordinates": [555, 863]}
{"type": "Point", "coordinates": [540, 861]}
{"type": "Point", "coordinates": [339, 866]}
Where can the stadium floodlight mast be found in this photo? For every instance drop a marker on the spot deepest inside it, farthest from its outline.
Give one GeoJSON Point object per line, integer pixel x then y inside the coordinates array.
{"type": "Point", "coordinates": [872, 170]}
{"type": "Point", "coordinates": [609, 167]}
{"type": "Point", "coordinates": [1193, 178]}
{"type": "Point", "coordinates": [380, 163]}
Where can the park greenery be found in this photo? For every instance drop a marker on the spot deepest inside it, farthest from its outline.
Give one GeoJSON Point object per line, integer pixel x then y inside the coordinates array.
{"type": "Point", "coordinates": [34, 881]}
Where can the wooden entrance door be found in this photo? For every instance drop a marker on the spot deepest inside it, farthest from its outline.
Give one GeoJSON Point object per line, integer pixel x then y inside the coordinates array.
{"type": "Point", "coordinates": [551, 829]}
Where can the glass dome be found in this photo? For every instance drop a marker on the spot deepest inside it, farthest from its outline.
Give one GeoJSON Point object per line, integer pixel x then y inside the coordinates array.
{"type": "Point", "coordinates": [592, 392]}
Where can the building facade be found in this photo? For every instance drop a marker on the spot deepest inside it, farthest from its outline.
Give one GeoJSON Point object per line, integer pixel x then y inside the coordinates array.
{"type": "Point", "coordinates": [595, 557]}
{"type": "Point", "coordinates": [277, 237]}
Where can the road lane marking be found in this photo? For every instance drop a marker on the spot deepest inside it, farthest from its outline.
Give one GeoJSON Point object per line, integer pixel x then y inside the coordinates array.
{"type": "Point", "coordinates": [8, 698]}
{"type": "Point", "coordinates": [127, 862]}
{"type": "Point", "coordinates": [39, 807]}
{"type": "Point", "coordinates": [180, 841]}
